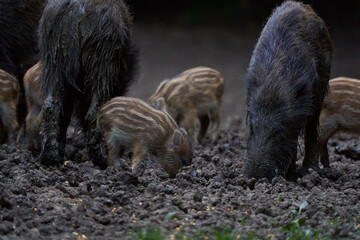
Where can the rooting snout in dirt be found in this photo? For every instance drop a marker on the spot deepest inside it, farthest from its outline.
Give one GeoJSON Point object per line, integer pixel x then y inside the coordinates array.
{"type": "Point", "coordinates": [131, 123]}
{"type": "Point", "coordinates": [340, 112]}
{"type": "Point", "coordinates": [34, 101]}
{"type": "Point", "coordinates": [195, 93]}
{"type": "Point", "coordinates": [9, 91]}
{"type": "Point", "coordinates": [287, 80]}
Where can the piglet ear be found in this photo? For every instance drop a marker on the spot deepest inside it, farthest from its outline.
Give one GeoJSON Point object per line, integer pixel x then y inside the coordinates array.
{"type": "Point", "coordinates": [160, 103]}
{"type": "Point", "coordinates": [183, 132]}
{"type": "Point", "coordinates": [177, 138]}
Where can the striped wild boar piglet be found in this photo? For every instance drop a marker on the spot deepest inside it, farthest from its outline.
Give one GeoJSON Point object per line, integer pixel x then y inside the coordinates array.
{"type": "Point", "coordinates": [34, 102]}
{"type": "Point", "coordinates": [195, 93]}
{"type": "Point", "coordinates": [340, 112]}
{"type": "Point", "coordinates": [131, 123]}
{"type": "Point", "coordinates": [287, 80]}
{"type": "Point", "coordinates": [88, 57]}
{"type": "Point", "coordinates": [9, 92]}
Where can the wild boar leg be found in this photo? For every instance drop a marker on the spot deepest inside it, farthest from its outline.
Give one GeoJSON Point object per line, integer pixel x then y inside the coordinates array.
{"type": "Point", "coordinates": [327, 130]}
{"type": "Point", "coordinates": [114, 149]}
{"type": "Point", "coordinates": [215, 120]}
{"type": "Point", "coordinates": [57, 110]}
{"type": "Point", "coordinates": [94, 140]}
{"type": "Point", "coordinates": [8, 117]}
{"type": "Point", "coordinates": [138, 156]}
{"type": "Point", "coordinates": [324, 154]}
{"type": "Point", "coordinates": [311, 148]}
{"type": "Point", "coordinates": [190, 123]}
{"type": "Point", "coordinates": [12, 123]}
{"type": "Point", "coordinates": [291, 173]}
{"type": "Point", "coordinates": [204, 125]}
{"type": "Point", "coordinates": [110, 149]}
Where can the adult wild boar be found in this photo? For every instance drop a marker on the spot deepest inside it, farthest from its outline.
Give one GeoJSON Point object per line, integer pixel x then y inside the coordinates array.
{"type": "Point", "coordinates": [287, 80]}
{"type": "Point", "coordinates": [88, 58]}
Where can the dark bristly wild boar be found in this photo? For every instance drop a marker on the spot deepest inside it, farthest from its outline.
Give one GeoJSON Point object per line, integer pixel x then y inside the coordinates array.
{"type": "Point", "coordinates": [195, 93]}
{"type": "Point", "coordinates": [9, 91]}
{"type": "Point", "coordinates": [34, 102]}
{"type": "Point", "coordinates": [131, 123]}
{"type": "Point", "coordinates": [19, 21]}
{"type": "Point", "coordinates": [88, 57]}
{"type": "Point", "coordinates": [287, 80]}
{"type": "Point", "coordinates": [340, 112]}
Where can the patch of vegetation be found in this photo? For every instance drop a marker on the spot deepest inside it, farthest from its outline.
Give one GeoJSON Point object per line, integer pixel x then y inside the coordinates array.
{"type": "Point", "coordinates": [223, 234]}
{"type": "Point", "coordinates": [335, 221]}
{"type": "Point", "coordinates": [270, 221]}
{"type": "Point", "coordinates": [296, 231]}
{"type": "Point", "coordinates": [243, 220]}
{"type": "Point", "coordinates": [204, 234]}
{"type": "Point", "coordinates": [150, 233]}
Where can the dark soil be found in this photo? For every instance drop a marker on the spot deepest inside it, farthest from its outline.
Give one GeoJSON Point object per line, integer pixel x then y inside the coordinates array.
{"type": "Point", "coordinates": [79, 201]}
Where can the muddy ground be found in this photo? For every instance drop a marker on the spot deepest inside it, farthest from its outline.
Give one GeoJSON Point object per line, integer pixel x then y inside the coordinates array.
{"type": "Point", "coordinates": [79, 201]}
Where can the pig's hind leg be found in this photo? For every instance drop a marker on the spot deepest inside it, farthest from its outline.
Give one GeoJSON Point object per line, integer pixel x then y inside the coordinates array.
{"type": "Point", "coordinates": [56, 110]}
{"type": "Point", "coordinates": [204, 125]}
{"type": "Point", "coordinates": [8, 118]}
{"type": "Point", "coordinates": [138, 156]}
{"type": "Point", "coordinates": [115, 149]}
{"type": "Point", "coordinates": [311, 141]}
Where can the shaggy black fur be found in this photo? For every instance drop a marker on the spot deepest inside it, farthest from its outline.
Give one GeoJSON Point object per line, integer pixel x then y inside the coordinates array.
{"type": "Point", "coordinates": [88, 58]}
{"type": "Point", "coordinates": [287, 81]}
{"type": "Point", "coordinates": [19, 21]}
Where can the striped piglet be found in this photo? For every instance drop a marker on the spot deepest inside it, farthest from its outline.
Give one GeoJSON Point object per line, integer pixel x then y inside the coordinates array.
{"type": "Point", "coordinates": [340, 112]}
{"type": "Point", "coordinates": [195, 93]}
{"type": "Point", "coordinates": [9, 92]}
{"type": "Point", "coordinates": [34, 102]}
{"type": "Point", "coordinates": [131, 123]}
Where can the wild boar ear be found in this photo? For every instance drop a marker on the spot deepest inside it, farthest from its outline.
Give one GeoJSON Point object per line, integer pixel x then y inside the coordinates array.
{"type": "Point", "coordinates": [177, 138]}
{"type": "Point", "coordinates": [160, 103]}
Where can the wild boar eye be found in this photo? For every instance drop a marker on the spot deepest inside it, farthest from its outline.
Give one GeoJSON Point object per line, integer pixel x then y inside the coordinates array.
{"type": "Point", "coordinates": [277, 131]}
{"type": "Point", "coordinates": [183, 160]}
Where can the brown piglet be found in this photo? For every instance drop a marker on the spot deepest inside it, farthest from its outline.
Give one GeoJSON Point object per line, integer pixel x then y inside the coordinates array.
{"type": "Point", "coordinates": [132, 123]}
{"type": "Point", "coordinates": [34, 102]}
{"type": "Point", "coordinates": [340, 112]}
{"type": "Point", "coordinates": [9, 92]}
{"type": "Point", "coordinates": [195, 93]}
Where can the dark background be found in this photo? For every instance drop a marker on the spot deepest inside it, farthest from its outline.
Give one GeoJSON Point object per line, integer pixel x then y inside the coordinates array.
{"type": "Point", "coordinates": [176, 35]}
{"type": "Point", "coordinates": [234, 12]}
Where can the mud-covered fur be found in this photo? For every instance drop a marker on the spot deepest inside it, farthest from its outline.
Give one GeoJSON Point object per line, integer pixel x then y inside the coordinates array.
{"type": "Point", "coordinates": [9, 91]}
{"type": "Point", "coordinates": [88, 57]}
{"type": "Point", "coordinates": [340, 112]}
{"type": "Point", "coordinates": [34, 102]}
{"type": "Point", "coordinates": [195, 93]}
{"type": "Point", "coordinates": [19, 21]}
{"type": "Point", "coordinates": [287, 80]}
{"type": "Point", "coordinates": [131, 123]}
